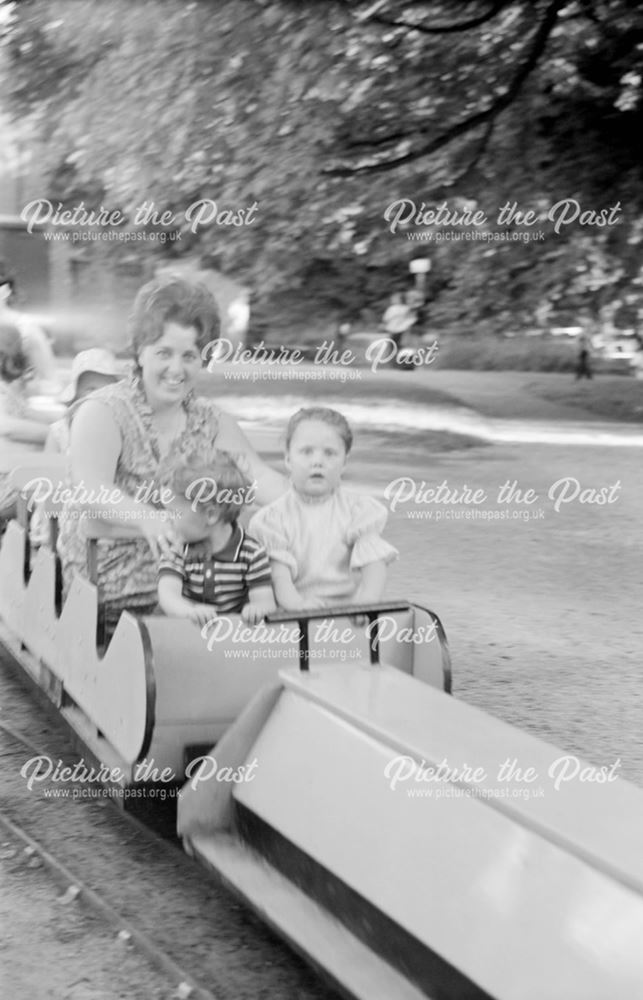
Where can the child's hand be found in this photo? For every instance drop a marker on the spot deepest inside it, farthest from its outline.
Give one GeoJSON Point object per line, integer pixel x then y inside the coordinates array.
{"type": "Point", "coordinates": [255, 612]}
{"type": "Point", "coordinates": [201, 614]}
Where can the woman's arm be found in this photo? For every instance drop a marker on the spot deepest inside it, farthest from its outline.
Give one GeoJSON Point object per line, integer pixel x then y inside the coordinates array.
{"type": "Point", "coordinates": [25, 428]}
{"type": "Point", "coordinates": [270, 483]}
{"type": "Point", "coordinates": [94, 450]}
{"type": "Point", "coordinates": [19, 429]}
{"type": "Point", "coordinates": [38, 350]}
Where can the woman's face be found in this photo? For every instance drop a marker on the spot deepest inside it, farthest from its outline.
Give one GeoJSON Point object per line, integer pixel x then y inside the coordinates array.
{"type": "Point", "coordinates": [170, 365]}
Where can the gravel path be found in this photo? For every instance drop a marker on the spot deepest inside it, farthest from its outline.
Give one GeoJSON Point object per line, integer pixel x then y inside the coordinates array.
{"type": "Point", "coordinates": [543, 616]}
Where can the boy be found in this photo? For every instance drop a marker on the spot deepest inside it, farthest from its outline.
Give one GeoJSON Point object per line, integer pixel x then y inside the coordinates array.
{"type": "Point", "coordinates": [214, 567]}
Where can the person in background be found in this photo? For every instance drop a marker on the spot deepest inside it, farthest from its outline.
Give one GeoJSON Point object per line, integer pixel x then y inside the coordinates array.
{"type": "Point", "coordinates": [41, 363]}
{"type": "Point", "coordinates": [398, 318]}
{"type": "Point", "coordinates": [417, 304]}
{"type": "Point", "coordinates": [214, 567]}
{"type": "Point", "coordinates": [583, 365]}
{"type": "Point", "coordinates": [15, 421]}
{"type": "Point", "coordinates": [90, 370]}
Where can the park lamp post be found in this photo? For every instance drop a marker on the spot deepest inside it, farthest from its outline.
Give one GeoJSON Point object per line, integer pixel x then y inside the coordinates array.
{"type": "Point", "coordinates": [419, 268]}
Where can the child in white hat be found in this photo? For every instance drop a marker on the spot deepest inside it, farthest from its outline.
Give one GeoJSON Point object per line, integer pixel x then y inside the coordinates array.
{"type": "Point", "coordinates": [90, 370]}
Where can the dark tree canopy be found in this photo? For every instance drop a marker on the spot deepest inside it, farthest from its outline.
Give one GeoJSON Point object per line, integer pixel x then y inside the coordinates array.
{"type": "Point", "coordinates": [324, 112]}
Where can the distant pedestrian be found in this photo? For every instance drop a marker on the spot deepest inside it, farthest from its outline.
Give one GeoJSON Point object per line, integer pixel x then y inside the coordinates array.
{"type": "Point", "coordinates": [417, 304]}
{"type": "Point", "coordinates": [398, 318]}
{"type": "Point", "coordinates": [583, 366]}
{"type": "Point", "coordinates": [342, 333]}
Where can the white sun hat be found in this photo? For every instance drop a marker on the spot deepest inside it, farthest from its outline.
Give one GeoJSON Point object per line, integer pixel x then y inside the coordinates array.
{"type": "Point", "coordinates": [95, 360]}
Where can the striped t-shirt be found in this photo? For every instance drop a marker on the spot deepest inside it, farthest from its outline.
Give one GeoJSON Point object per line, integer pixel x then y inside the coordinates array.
{"type": "Point", "coordinates": [222, 578]}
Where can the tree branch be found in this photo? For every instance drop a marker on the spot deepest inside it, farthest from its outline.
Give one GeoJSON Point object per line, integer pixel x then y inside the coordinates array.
{"type": "Point", "coordinates": [439, 29]}
{"type": "Point", "coordinates": [477, 156]}
{"type": "Point", "coordinates": [541, 37]}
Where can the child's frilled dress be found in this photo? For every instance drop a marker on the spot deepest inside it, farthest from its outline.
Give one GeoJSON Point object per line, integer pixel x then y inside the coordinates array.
{"type": "Point", "coordinates": [324, 542]}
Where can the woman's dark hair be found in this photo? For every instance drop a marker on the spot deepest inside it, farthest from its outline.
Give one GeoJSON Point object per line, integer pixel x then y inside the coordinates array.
{"type": "Point", "coordinates": [13, 360]}
{"type": "Point", "coordinates": [172, 299]}
{"type": "Point", "coordinates": [331, 417]}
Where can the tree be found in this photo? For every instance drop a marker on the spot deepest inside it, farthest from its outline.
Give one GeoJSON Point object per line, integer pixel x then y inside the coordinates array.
{"type": "Point", "coordinates": [324, 112]}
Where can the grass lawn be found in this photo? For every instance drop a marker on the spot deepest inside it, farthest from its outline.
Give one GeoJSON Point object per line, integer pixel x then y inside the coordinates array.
{"type": "Point", "coordinates": [613, 397]}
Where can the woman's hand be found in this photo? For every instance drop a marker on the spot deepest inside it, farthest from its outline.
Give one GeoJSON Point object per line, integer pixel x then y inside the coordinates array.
{"type": "Point", "coordinates": [242, 462]}
{"type": "Point", "coordinates": [270, 483]}
{"type": "Point", "coordinates": [158, 533]}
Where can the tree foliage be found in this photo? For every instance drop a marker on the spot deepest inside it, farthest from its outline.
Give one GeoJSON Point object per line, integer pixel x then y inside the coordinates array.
{"type": "Point", "coordinates": [324, 112]}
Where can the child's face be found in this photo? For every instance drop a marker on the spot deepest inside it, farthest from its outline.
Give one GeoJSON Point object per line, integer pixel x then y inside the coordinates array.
{"type": "Point", "coordinates": [191, 525]}
{"type": "Point", "coordinates": [316, 458]}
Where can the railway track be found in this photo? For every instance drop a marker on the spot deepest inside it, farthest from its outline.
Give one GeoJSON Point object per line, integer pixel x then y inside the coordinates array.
{"type": "Point", "coordinates": [178, 976]}
{"type": "Point", "coordinates": [204, 944]}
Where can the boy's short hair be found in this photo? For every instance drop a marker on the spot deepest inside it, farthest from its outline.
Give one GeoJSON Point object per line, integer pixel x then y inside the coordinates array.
{"type": "Point", "coordinates": [201, 483]}
{"type": "Point", "coordinates": [328, 416]}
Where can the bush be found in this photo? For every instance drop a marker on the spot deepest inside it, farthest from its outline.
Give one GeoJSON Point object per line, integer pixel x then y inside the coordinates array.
{"type": "Point", "coordinates": [486, 353]}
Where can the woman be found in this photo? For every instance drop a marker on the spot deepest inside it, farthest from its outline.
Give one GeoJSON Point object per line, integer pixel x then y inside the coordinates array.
{"type": "Point", "coordinates": [126, 437]}
{"type": "Point", "coordinates": [35, 344]}
{"type": "Point", "coordinates": [15, 422]}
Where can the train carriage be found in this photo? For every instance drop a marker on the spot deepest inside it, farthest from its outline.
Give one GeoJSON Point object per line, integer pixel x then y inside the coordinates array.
{"type": "Point", "coordinates": [354, 804]}
{"type": "Point", "coordinates": [184, 686]}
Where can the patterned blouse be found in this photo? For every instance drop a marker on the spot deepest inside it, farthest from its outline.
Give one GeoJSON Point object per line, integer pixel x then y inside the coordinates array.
{"type": "Point", "coordinates": [127, 568]}
{"type": "Point", "coordinates": [12, 404]}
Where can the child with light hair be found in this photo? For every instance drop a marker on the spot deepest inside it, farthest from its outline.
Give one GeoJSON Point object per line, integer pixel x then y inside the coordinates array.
{"type": "Point", "coordinates": [324, 541]}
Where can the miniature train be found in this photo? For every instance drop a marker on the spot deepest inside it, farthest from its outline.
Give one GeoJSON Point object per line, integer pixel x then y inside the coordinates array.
{"type": "Point", "coordinates": [354, 804]}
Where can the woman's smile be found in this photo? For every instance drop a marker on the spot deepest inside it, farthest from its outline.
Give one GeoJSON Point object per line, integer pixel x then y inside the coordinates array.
{"type": "Point", "coordinates": [170, 365]}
